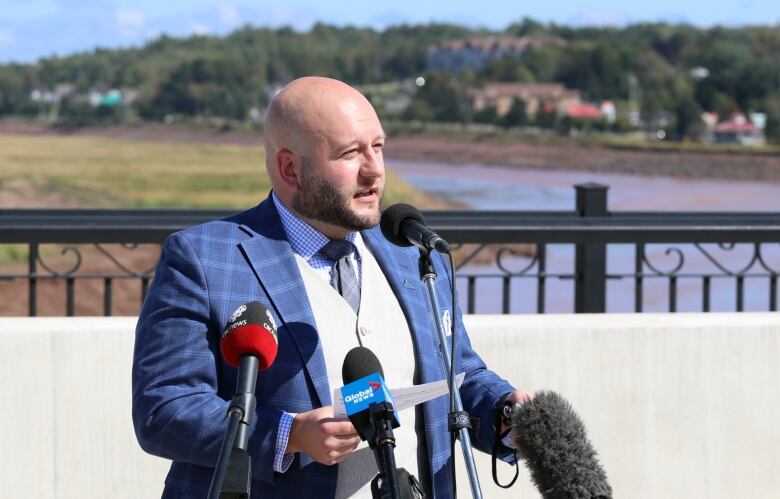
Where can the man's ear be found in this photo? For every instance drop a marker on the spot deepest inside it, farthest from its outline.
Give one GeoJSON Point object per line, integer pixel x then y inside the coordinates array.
{"type": "Point", "coordinates": [288, 164]}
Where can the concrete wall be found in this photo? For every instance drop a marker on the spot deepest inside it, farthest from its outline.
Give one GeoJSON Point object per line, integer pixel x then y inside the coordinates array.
{"type": "Point", "coordinates": [65, 427]}
{"type": "Point", "coordinates": [678, 406]}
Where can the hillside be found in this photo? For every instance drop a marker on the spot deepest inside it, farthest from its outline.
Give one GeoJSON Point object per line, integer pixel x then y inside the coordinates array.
{"type": "Point", "coordinates": [670, 72]}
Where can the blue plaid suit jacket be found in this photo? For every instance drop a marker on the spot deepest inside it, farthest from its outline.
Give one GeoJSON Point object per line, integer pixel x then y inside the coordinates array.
{"type": "Point", "coordinates": [182, 388]}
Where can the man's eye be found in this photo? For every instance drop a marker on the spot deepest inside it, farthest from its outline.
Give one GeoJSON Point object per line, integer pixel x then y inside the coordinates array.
{"type": "Point", "coordinates": [379, 146]}
{"type": "Point", "coordinates": [350, 154]}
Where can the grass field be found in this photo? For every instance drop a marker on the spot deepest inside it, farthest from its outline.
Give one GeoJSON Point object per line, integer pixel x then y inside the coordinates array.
{"type": "Point", "coordinates": [97, 172]}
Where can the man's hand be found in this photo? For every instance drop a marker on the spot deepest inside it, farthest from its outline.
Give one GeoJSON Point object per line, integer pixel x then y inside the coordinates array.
{"type": "Point", "coordinates": [326, 439]}
{"type": "Point", "coordinates": [516, 397]}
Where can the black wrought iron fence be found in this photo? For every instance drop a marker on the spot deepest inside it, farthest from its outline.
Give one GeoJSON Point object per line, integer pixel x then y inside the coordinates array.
{"type": "Point", "coordinates": [539, 261]}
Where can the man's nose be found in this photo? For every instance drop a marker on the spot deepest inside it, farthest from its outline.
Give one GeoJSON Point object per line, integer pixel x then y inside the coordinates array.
{"type": "Point", "coordinates": [373, 163]}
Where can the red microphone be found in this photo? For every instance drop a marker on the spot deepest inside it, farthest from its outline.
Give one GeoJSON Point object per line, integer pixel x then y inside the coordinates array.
{"type": "Point", "coordinates": [250, 331]}
{"type": "Point", "coordinates": [249, 343]}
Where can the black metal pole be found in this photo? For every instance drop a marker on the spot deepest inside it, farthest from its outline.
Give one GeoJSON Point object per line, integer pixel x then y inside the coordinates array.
{"type": "Point", "coordinates": [233, 473]}
{"type": "Point", "coordinates": [383, 444]}
{"type": "Point", "coordinates": [590, 291]}
{"type": "Point", "coordinates": [245, 398]}
{"type": "Point", "coordinates": [32, 303]}
{"type": "Point", "coordinates": [234, 418]}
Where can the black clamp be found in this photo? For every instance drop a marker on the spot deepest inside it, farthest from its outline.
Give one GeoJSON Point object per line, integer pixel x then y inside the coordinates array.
{"type": "Point", "coordinates": [503, 416]}
{"type": "Point", "coordinates": [458, 420]}
{"type": "Point", "coordinates": [246, 404]}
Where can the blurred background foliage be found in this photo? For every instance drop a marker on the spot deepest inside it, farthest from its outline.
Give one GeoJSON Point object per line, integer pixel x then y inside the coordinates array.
{"type": "Point", "coordinates": [229, 76]}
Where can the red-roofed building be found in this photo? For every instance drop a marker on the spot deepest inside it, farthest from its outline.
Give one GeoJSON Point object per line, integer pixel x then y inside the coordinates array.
{"type": "Point", "coordinates": [738, 130]}
{"type": "Point", "coordinates": [583, 111]}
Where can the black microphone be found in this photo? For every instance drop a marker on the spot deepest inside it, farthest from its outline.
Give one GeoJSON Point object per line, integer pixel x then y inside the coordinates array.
{"type": "Point", "coordinates": [404, 225]}
{"type": "Point", "coordinates": [375, 423]}
{"type": "Point", "coordinates": [359, 363]}
{"type": "Point", "coordinates": [552, 441]}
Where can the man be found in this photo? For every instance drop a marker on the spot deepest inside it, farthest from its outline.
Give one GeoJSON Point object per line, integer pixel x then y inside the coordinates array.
{"type": "Point", "coordinates": [324, 160]}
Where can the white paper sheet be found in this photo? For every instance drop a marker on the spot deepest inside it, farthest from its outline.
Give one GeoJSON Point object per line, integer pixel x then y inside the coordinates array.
{"type": "Point", "coordinates": [404, 398]}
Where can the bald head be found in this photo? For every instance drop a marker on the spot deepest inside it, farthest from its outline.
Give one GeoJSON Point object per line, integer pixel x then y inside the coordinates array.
{"type": "Point", "coordinates": [309, 110]}
{"type": "Point", "coordinates": [323, 143]}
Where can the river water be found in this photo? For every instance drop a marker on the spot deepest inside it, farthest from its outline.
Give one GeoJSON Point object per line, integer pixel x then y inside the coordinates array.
{"type": "Point", "coordinates": [506, 188]}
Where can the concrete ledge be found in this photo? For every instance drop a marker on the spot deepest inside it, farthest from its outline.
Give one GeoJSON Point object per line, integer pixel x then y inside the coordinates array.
{"type": "Point", "coordinates": [66, 427]}
{"type": "Point", "coordinates": [679, 406]}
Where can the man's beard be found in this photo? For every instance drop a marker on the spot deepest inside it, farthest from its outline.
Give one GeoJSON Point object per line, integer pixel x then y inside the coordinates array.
{"type": "Point", "coordinates": [319, 200]}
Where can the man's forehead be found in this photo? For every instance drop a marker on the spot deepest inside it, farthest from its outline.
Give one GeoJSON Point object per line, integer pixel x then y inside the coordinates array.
{"type": "Point", "coordinates": [355, 133]}
{"type": "Point", "coordinates": [354, 124]}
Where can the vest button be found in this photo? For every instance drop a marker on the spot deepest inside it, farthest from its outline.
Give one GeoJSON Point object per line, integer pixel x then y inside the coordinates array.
{"type": "Point", "coordinates": [364, 331]}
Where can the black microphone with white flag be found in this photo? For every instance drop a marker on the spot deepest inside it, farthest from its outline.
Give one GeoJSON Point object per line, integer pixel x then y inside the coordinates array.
{"type": "Point", "coordinates": [552, 441]}
{"type": "Point", "coordinates": [404, 225]}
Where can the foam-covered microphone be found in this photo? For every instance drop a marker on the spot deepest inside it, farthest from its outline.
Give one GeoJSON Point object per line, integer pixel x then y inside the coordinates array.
{"type": "Point", "coordinates": [552, 441]}
{"type": "Point", "coordinates": [404, 225]}
{"type": "Point", "coordinates": [250, 331]}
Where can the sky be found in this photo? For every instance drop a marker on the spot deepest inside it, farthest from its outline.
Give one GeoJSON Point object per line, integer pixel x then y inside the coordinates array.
{"type": "Point", "coordinates": [30, 29]}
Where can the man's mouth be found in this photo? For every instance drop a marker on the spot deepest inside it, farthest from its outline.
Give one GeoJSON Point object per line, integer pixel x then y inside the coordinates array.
{"type": "Point", "coordinates": [366, 193]}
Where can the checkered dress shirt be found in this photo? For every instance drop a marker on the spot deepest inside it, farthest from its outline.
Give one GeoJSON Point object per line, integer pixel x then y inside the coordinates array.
{"type": "Point", "coordinates": [305, 241]}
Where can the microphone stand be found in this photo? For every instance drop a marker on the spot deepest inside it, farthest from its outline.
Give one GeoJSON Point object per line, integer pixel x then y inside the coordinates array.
{"type": "Point", "coordinates": [458, 419]}
{"type": "Point", "coordinates": [232, 476]}
{"type": "Point", "coordinates": [383, 443]}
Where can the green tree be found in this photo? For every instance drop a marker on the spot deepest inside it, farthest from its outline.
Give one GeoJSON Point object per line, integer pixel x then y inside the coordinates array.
{"type": "Point", "coordinates": [486, 115]}
{"type": "Point", "coordinates": [517, 114]}
{"type": "Point", "coordinates": [545, 119]}
{"type": "Point", "coordinates": [772, 130]}
{"type": "Point", "coordinates": [688, 123]}
{"type": "Point", "coordinates": [771, 106]}
{"type": "Point", "coordinates": [443, 97]}
{"type": "Point", "coordinates": [224, 76]}
{"type": "Point", "coordinates": [419, 110]}
{"type": "Point", "coordinates": [203, 86]}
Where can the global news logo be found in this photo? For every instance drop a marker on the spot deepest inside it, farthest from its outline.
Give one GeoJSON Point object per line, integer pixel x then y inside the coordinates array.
{"type": "Point", "coordinates": [362, 395]}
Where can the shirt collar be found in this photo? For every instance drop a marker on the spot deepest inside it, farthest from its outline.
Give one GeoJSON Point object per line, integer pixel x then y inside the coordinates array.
{"type": "Point", "coordinates": [304, 239]}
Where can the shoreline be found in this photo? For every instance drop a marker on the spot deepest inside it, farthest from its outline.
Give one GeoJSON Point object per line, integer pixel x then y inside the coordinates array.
{"type": "Point", "coordinates": [459, 150]}
{"type": "Point", "coordinates": [596, 159]}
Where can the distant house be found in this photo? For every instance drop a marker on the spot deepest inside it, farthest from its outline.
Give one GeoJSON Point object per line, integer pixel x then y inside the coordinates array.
{"type": "Point", "coordinates": [537, 96]}
{"type": "Point", "coordinates": [608, 111]}
{"type": "Point", "coordinates": [710, 120]}
{"type": "Point", "coordinates": [584, 111]}
{"type": "Point", "coordinates": [455, 56]}
{"type": "Point", "coordinates": [738, 130]}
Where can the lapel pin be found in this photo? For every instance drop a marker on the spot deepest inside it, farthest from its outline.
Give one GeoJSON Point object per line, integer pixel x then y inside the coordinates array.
{"type": "Point", "coordinates": [409, 283]}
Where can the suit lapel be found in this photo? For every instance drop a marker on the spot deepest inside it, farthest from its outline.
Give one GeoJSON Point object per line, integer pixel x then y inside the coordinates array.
{"type": "Point", "coordinates": [400, 267]}
{"type": "Point", "coordinates": [272, 261]}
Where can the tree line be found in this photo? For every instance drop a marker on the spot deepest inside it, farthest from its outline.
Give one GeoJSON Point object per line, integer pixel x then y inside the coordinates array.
{"type": "Point", "coordinates": [665, 70]}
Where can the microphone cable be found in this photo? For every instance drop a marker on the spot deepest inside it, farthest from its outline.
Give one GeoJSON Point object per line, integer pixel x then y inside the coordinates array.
{"type": "Point", "coordinates": [473, 423]}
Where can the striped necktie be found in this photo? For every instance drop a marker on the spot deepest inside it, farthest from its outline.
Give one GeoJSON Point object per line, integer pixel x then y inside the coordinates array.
{"type": "Point", "coordinates": [343, 277]}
